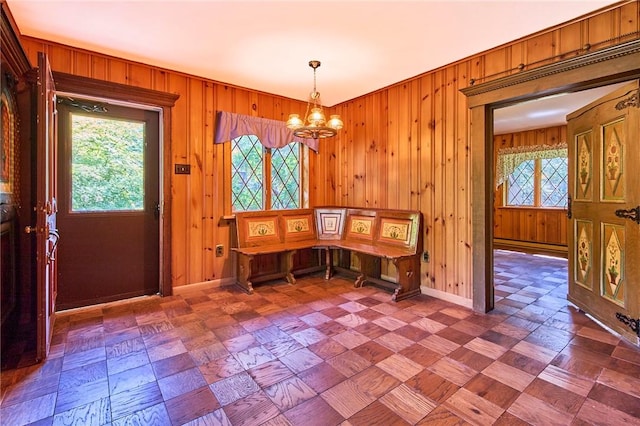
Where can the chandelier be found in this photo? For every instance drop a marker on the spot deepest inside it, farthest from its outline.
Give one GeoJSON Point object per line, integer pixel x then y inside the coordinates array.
{"type": "Point", "coordinates": [314, 125]}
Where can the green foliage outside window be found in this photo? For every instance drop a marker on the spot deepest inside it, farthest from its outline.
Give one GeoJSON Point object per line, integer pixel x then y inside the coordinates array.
{"type": "Point", "coordinates": [107, 169]}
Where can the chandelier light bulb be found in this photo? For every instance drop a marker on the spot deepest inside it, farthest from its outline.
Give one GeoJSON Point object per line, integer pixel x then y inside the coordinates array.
{"type": "Point", "coordinates": [294, 121]}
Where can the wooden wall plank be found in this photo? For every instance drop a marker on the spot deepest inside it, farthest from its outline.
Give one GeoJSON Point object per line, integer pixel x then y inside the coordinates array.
{"type": "Point", "coordinates": [439, 215]}
{"type": "Point", "coordinates": [180, 189]}
{"type": "Point", "coordinates": [391, 156]}
{"type": "Point", "coordinates": [197, 245]}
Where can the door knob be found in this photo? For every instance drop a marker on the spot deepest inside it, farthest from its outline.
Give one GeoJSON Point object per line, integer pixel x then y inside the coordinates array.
{"type": "Point", "coordinates": [30, 229]}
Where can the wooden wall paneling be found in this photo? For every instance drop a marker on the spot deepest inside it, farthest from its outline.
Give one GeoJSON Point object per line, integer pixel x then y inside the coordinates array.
{"type": "Point", "coordinates": [540, 49]}
{"type": "Point", "coordinates": [450, 178]}
{"type": "Point", "coordinates": [426, 174]}
{"type": "Point", "coordinates": [629, 18]}
{"type": "Point", "coordinates": [82, 63]}
{"type": "Point", "coordinates": [404, 147]}
{"type": "Point", "coordinates": [60, 58]}
{"type": "Point", "coordinates": [548, 227]}
{"type": "Point", "coordinates": [373, 174]}
{"type": "Point", "coordinates": [342, 159]}
{"type": "Point", "coordinates": [541, 221]}
{"type": "Point", "coordinates": [498, 216]}
{"type": "Point", "coordinates": [495, 61]}
{"type": "Point", "coordinates": [337, 163]}
{"type": "Point", "coordinates": [602, 27]}
{"type": "Point", "coordinates": [117, 71]}
{"type": "Point", "coordinates": [439, 248]}
{"type": "Point", "coordinates": [221, 198]}
{"type": "Point", "coordinates": [382, 146]}
{"type": "Point", "coordinates": [31, 49]}
{"type": "Point", "coordinates": [180, 222]}
{"type": "Point", "coordinates": [391, 156]}
{"type": "Point", "coordinates": [570, 39]}
{"type": "Point", "coordinates": [416, 145]}
{"type": "Point", "coordinates": [211, 269]}
{"type": "Point", "coordinates": [507, 223]}
{"type": "Point", "coordinates": [529, 219]}
{"type": "Point", "coordinates": [195, 140]}
{"type": "Point", "coordinates": [518, 54]}
{"type": "Point", "coordinates": [99, 67]}
{"type": "Point", "coordinates": [359, 175]}
{"type": "Point", "coordinates": [463, 192]}
{"type": "Point", "coordinates": [159, 80]}
{"type": "Point", "coordinates": [140, 75]}
{"type": "Point", "coordinates": [328, 159]}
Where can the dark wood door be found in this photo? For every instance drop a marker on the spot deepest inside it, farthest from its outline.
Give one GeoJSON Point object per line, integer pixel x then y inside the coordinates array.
{"type": "Point", "coordinates": [604, 230]}
{"type": "Point", "coordinates": [46, 232]}
{"type": "Point", "coordinates": [109, 195]}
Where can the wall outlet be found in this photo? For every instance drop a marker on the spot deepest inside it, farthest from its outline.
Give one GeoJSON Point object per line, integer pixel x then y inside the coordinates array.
{"type": "Point", "coordinates": [425, 257]}
{"type": "Point", "coordinates": [219, 250]}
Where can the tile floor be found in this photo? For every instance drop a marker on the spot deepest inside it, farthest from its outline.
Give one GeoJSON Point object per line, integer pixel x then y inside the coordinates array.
{"type": "Point", "coordinates": [323, 353]}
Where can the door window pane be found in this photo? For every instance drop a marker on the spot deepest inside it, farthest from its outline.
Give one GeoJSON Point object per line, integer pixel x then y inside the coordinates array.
{"type": "Point", "coordinates": [107, 164]}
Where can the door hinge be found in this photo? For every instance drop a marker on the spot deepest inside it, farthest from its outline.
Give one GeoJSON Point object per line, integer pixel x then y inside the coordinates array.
{"type": "Point", "coordinates": [569, 213]}
{"type": "Point", "coordinates": [633, 324]}
{"type": "Point", "coordinates": [633, 214]}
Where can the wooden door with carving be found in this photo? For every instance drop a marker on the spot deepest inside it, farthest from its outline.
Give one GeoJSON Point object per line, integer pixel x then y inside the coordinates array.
{"type": "Point", "coordinates": [604, 230]}
{"type": "Point", "coordinates": [45, 230]}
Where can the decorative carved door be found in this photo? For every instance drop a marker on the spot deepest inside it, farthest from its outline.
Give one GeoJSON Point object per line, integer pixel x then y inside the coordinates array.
{"type": "Point", "coordinates": [604, 230]}
{"type": "Point", "coordinates": [46, 206]}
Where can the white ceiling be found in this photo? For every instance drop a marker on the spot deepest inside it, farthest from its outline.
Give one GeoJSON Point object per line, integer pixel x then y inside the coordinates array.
{"type": "Point", "coordinates": [266, 44]}
{"type": "Point", "coordinates": [545, 112]}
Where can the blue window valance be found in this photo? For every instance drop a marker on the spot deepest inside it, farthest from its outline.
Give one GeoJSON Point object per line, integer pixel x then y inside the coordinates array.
{"type": "Point", "coordinates": [271, 133]}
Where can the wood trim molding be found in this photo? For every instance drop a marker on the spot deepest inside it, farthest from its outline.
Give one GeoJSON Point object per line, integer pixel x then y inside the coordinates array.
{"type": "Point", "coordinates": [107, 90]}
{"type": "Point", "coordinates": [12, 50]}
{"type": "Point", "coordinates": [555, 68]}
{"type": "Point", "coordinates": [600, 57]}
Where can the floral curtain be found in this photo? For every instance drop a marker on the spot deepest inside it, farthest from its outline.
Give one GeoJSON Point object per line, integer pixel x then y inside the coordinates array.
{"type": "Point", "coordinates": [510, 158]}
{"type": "Point", "coordinates": [271, 133]}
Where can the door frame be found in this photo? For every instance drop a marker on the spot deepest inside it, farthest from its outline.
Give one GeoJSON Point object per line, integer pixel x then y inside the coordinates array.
{"type": "Point", "coordinates": [162, 102]}
{"type": "Point", "coordinates": [609, 65]}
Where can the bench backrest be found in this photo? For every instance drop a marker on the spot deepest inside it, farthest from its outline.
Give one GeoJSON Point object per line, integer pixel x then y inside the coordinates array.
{"type": "Point", "coordinates": [400, 229]}
{"type": "Point", "coordinates": [379, 227]}
{"type": "Point", "coordinates": [271, 227]}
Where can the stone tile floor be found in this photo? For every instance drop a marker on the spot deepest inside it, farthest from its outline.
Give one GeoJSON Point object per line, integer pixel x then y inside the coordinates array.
{"type": "Point", "coordinates": [324, 353]}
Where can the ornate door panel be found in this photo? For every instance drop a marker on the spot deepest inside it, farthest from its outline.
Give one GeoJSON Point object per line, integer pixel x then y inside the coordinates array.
{"type": "Point", "coordinates": [46, 207]}
{"type": "Point", "coordinates": [604, 231]}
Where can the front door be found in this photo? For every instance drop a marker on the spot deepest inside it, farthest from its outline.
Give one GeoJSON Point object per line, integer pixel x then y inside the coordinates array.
{"type": "Point", "coordinates": [45, 230]}
{"type": "Point", "coordinates": [604, 230]}
{"type": "Point", "coordinates": [109, 196]}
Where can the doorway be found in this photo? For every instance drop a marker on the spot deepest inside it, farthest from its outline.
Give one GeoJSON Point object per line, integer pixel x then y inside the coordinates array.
{"type": "Point", "coordinates": [606, 66]}
{"type": "Point", "coordinates": [109, 197]}
{"type": "Point", "coordinates": [531, 180]}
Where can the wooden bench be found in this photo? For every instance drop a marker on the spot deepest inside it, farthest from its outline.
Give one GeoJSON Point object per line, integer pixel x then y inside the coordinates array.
{"type": "Point", "coordinates": [280, 232]}
{"type": "Point", "coordinates": [372, 235]}
{"type": "Point", "coordinates": [369, 234]}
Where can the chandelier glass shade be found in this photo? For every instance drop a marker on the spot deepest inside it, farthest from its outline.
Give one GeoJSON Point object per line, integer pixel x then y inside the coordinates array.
{"type": "Point", "coordinates": [314, 124]}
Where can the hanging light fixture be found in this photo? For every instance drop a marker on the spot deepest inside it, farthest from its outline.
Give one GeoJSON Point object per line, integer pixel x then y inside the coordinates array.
{"type": "Point", "coordinates": [314, 125]}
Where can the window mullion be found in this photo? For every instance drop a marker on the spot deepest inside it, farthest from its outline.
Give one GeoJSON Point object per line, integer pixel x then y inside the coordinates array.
{"type": "Point", "coordinates": [266, 187]}
{"type": "Point", "coordinates": [537, 183]}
